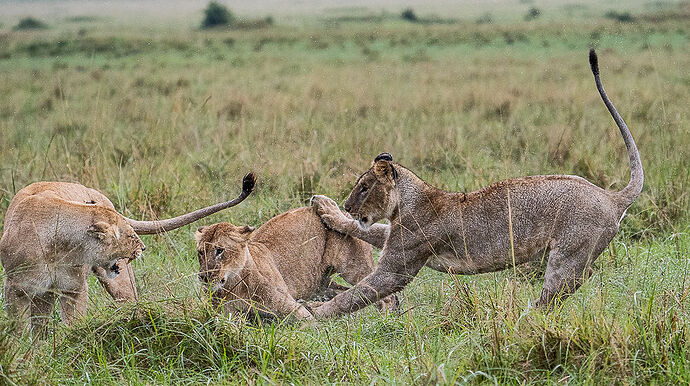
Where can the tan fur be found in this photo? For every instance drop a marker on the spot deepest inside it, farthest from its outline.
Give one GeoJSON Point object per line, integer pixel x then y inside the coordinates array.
{"type": "Point", "coordinates": [564, 219]}
{"type": "Point", "coordinates": [48, 246]}
{"type": "Point", "coordinates": [51, 242]}
{"type": "Point", "coordinates": [292, 256]}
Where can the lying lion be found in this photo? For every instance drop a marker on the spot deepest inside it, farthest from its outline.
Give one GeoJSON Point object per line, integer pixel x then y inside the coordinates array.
{"type": "Point", "coordinates": [57, 232]}
{"type": "Point", "coordinates": [292, 256]}
{"type": "Point", "coordinates": [563, 217]}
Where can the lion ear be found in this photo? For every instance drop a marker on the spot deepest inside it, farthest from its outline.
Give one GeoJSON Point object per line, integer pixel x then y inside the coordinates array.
{"type": "Point", "coordinates": [98, 230]}
{"type": "Point", "coordinates": [384, 156]}
{"type": "Point", "coordinates": [199, 232]}
{"type": "Point", "coordinates": [384, 170]}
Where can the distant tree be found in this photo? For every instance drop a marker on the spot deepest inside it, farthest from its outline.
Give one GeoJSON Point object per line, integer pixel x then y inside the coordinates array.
{"type": "Point", "coordinates": [623, 17]}
{"type": "Point", "coordinates": [30, 23]}
{"type": "Point", "coordinates": [532, 13]}
{"type": "Point", "coordinates": [409, 15]}
{"type": "Point", "coordinates": [217, 15]}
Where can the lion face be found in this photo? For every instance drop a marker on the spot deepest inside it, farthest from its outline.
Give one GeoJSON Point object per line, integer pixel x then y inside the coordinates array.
{"type": "Point", "coordinates": [223, 252]}
{"type": "Point", "coordinates": [374, 196]}
{"type": "Point", "coordinates": [117, 240]}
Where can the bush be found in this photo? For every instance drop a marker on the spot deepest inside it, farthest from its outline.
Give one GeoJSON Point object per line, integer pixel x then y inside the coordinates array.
{"type": "Point", "coordinates": [30, 23]}
{"type": "Point", "coordinates": [532, 13]}
{"type": "Point", "coordinates": [217, 15]}
{"type": "Point", "coordinates": [254, 23]}
{"type": "Point", "coordinates": [485, 18]}
{"type": "Point", "coordinates": [409, 15]}
{"type": "Point", "coordinates": [623, 17]}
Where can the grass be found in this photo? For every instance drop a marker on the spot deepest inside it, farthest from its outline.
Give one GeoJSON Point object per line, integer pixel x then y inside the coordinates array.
{"type": "Point", "coordinates": [164, 120]}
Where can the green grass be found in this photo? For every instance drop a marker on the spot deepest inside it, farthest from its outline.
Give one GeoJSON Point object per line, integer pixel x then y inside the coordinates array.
{"type": "Point", "coordinates": [164, 120]}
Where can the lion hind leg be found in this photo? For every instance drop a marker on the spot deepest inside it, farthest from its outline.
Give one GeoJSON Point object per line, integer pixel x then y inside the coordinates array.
{"type": "Point", "coordinates": [18, 305]}
{"type": "Point", "coordinates": [567, 268]}
{"type": "Point", "coordinates": [41, 311]}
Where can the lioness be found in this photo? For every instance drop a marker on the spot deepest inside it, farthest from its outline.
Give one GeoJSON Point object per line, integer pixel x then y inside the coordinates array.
{"type": "Point", "coordinates": [508, 223]}
{"type": "Point", "coordinates": [56, 232]}
{"type": "Point", "coordinates": [292, 256]}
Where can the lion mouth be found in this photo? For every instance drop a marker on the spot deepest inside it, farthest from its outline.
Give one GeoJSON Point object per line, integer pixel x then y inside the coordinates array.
{"type": "Point", "coordinates": [112, 269]}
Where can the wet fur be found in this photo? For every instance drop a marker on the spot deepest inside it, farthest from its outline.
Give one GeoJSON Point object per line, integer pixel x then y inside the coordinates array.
{"type": "Point", "coordinates": [54, 235]}
{"type": "Point", "coordinates": [564, 218]}
{"type": "Point", "coordinates": [290, 257]}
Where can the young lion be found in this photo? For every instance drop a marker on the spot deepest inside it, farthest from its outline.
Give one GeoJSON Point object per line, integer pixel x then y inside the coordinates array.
{"type": "Point", "coordinates": [508, 223]}
{"type": "Point", "coordinates": [56, 232]}
{"type": "Point", "coordinates": [292, 256]}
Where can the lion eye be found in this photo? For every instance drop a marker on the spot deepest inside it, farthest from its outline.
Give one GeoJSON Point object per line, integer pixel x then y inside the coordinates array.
{"type": "Point", "coordinates": [219, 252]}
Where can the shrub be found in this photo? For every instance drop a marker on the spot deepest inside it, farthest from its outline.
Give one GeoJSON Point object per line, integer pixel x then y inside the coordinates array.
{"type": "Point", "coordinates": [623, 17]}
{"type": "Point", "coordinates": [217, 15]}
{"type": "Point", "coordinates": [409, 15]}
{"type": "Point", "coordinates": [254, 23]}
{"type": "Point", "coordinates": [532, 13]}
{"type": "Point", "coordinates": [30, 23]}
{"type": "Point", "coordinates": [485, 18]}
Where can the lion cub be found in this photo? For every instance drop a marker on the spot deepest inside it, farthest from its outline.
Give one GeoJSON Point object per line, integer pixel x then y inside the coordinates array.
{"type": "Point", "coordinates": [48, 248]}
{"type": "Point", "coordinates": [292, 256]}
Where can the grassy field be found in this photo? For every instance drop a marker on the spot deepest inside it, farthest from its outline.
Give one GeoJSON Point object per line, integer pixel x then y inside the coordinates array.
{"type": "Point", "coordinates": [167, 118]}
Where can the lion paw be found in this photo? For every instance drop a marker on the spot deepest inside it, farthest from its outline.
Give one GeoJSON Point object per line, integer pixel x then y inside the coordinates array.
{"type": "Point", "coordinates": [327, 209]}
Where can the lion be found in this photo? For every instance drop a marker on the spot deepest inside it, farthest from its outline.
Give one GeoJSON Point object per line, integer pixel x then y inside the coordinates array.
{"type": "Point", "coordinates": [292, 256]}
{"type": "Point", "coordinates": [564, 217]}
{"type": "Point", "coordinates": [56, 232]}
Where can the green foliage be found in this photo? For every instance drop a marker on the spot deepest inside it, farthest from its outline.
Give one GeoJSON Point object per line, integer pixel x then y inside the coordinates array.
{"type": "Point", "coordinates": [532, 13]}
{"type": "Point", "coordinates": [165, 122]}
{"type": "Point", "coordinates": [217, 15]}
{"type": "Point", "coordinates": [485, 18]}
{"type": "Point", "coordinates": [254, 23]}
{"type": "Point", "coordinates": [409, 15]}
{"type": "Point", "coordinates": [623, 17]}
{"type": "Point", "coordinates": [29, 23]}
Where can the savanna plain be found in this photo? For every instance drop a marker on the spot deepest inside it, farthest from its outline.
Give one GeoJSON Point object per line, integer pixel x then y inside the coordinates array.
{"type": "Point", "coordinates": [166, 117]}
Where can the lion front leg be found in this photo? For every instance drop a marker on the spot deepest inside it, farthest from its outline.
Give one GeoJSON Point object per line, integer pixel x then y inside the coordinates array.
{"type": "Point", "coordinates": [338, 221]}
{"type": "Point", "coordinates": [392, 274]}
{"type": "Point", "coordinates": [277, 300]}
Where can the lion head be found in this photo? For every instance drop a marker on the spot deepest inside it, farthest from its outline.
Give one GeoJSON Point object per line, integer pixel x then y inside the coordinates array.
{"type": "Point", "coordinates": [223, 253]}
{"type": "Point", "coordinates": [116, 240]}
{"type": "Point", "coordinates": [374, 196]}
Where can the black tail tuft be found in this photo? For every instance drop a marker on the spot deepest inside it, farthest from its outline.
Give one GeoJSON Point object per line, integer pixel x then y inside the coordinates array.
{"type": "Point", "coordinates": [593, 62]}
{"type": "Point", "coordinates": [248, 183]}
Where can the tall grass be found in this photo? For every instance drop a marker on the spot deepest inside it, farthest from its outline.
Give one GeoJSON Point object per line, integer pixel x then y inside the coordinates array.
{"type": "Point", "coordinates": [167, 122]}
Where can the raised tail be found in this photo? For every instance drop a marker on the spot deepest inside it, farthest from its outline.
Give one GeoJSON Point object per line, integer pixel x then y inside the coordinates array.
{"type": "Point", "coordinates": [153, 227]}
{"type": "Point", "coordinates": [634, 187]}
